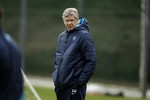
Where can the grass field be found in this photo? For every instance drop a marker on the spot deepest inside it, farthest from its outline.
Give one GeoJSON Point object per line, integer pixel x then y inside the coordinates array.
{"type": "Point", "coordinates": [48, 94]}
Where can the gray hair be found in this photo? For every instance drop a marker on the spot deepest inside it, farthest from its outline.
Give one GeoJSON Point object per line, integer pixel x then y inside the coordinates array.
{"type": "Point", "coordinates": [70, 12]}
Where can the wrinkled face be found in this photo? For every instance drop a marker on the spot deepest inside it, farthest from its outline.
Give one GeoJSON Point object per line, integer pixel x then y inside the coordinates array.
{"type": "Point", "coordinates": [70, 22]}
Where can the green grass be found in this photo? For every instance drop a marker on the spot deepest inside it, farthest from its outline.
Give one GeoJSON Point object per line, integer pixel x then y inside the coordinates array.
{"type": "Point", "coordinates": [48, 94]}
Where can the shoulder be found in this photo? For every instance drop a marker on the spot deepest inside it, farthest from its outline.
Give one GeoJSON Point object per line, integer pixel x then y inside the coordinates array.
{"type": "Point", "coordinates": [62, 33]}
{"type": "Point", "coordinates": [85, 34]}
{"type": "Point", "coordinates": [86, 38]}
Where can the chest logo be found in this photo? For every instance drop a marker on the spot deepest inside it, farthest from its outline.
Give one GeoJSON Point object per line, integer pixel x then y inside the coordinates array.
{"type": "Point", "coordinates": [74, 38]}
{"type": "Point", "coordinates": [62, 38]}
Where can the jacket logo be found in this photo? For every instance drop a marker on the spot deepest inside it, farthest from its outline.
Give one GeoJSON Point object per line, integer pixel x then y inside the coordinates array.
{"type": "Point", "coordinates": [74, 38]}
{"type": "Point", "coordinates": [62, 38]}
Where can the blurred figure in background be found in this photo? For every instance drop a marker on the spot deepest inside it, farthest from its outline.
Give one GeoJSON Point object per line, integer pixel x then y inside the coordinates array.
{"type": "Point", "coordinates": [75, 57]}
{"type": "Point", "coordinates": [11, 80]}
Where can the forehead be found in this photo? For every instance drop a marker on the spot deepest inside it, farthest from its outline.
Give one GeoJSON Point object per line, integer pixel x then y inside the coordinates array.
{"type": "Point", "coordinates": [70, 17]}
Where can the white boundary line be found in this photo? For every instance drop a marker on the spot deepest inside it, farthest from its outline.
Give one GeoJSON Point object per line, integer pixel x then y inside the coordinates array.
{"type": "Point", "coordinates": [30, 86]}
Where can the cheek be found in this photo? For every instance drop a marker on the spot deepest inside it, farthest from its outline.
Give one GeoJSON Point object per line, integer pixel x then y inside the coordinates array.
{"type": "Point", "coordinates": [65, 24]}
{"type": "Point", "coordinates": [75, 24]}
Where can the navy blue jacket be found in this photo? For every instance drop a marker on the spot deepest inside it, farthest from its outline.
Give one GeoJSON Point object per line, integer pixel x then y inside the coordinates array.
{"type": "Point", "coordinates": [11, 81]}
{"type": "Point", "coordinates": [75, 58]}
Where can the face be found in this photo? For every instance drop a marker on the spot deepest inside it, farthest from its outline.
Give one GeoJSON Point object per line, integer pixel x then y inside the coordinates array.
{"type": "Point", "coordinates": [70, 22]}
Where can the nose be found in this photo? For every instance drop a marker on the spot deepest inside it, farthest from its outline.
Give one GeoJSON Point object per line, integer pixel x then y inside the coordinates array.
{"type": "Point", "coordinates": [69, 22]}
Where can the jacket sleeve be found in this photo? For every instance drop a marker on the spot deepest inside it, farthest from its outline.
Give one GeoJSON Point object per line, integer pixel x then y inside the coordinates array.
{"type": "Point", "coordinates": [89, 56]}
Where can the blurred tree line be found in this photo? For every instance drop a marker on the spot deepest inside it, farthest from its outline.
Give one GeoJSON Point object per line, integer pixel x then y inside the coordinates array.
{"type": "Point", "coordinates": [114, 26]}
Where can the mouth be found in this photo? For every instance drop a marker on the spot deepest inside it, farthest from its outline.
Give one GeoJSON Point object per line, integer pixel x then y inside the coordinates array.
{"type": "Point", "coordinates": [70, 27]}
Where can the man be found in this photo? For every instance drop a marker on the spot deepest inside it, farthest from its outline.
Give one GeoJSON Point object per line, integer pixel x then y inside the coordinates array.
{"type": "Point", "coordinates": [11, 81]}
{"type": "Point", "coordinates": [75, 58]}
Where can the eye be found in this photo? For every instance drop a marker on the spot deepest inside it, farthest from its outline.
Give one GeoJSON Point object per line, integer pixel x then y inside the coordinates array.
{"type": "Point", "coordinates": [67, 20]}
{"type": "Point", "coordinates": [71, 20]}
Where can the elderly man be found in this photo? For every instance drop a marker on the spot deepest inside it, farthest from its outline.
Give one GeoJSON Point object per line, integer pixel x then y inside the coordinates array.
{"type": "Point", "coordinates": [75, 57]}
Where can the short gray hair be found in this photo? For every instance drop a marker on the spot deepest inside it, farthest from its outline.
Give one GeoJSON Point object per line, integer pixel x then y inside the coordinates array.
{"type": "Point", "coordinates": [70, 12]}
